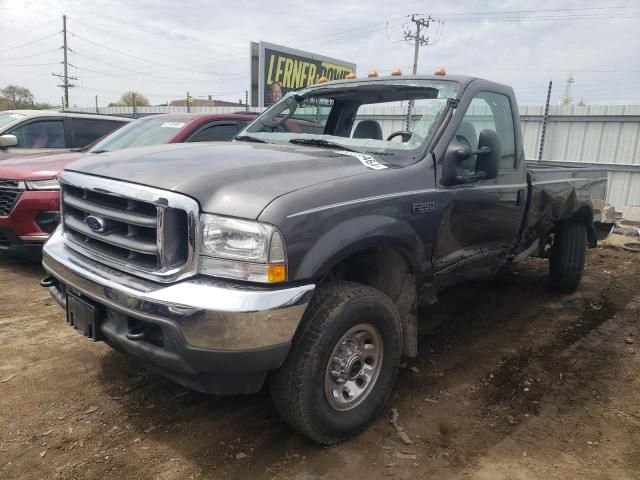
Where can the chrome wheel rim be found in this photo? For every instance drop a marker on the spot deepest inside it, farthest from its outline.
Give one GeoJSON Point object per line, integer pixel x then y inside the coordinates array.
{"type": "Point", "coordinates": [353, 367]}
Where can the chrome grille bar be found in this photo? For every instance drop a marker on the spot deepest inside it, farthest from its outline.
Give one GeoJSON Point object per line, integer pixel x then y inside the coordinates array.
{"type": "Point", "coordinates": [131, 227]}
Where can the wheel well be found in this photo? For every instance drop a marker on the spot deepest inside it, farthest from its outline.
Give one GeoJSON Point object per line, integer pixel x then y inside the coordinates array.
{"type": "Point", "coordinates": [388, 270]}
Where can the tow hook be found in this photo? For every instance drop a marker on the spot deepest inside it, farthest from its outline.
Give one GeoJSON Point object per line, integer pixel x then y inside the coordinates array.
{"type": "Point", "coordinates": [48, 281]}
{"type": "Point", "coordinates": [135, 334]}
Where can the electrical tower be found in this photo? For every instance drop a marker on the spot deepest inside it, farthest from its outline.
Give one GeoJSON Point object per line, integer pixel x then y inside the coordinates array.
{"type": "Point", "coordinates": [65, 62]}
{"type": "Point", "coordinates": [420, 38]}
{"type": "Point", "coordinates": [566, 99]}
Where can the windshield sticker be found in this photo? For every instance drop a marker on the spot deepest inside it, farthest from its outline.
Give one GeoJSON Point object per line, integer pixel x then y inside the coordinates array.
{"type": "Point", "coordinates": [172, 125]}
{"type": "Point", "coordinates": [367, 160]}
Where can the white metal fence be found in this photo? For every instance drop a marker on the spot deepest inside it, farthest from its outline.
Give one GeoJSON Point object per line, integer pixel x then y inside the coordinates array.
{"type": "Point", "coordinates": [605, 135]}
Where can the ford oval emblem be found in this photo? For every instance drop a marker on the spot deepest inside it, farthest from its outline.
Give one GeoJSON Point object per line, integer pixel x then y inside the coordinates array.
{"type": "Point", "coordinates": [96, 224]}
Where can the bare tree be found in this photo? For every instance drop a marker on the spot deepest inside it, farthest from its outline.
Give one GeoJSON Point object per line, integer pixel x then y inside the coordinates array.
{"type": "Point", "coordinates": [17, 97]}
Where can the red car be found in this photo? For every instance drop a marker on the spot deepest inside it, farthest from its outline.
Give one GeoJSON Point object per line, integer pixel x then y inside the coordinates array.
{"type": "Point", "coordinates": [29, 191]}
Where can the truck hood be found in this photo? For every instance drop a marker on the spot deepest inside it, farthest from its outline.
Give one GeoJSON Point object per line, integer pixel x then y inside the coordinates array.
{"type": "Point", "coordinates": [235, 179]}
{"type": "Point", "coordinates": [39, 166]}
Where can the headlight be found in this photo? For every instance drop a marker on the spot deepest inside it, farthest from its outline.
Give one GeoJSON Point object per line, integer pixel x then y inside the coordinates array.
{"type": "Point", "coordinates": [51, 184]}
{"type": "Point", "coordinates": [241, 249]}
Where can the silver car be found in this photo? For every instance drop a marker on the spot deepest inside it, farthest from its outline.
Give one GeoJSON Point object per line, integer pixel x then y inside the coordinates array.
{"type": "Point", "coordinates": [28, 132]}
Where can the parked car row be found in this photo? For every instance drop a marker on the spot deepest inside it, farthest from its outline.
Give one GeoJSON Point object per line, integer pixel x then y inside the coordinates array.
{"type": "Point", "coordinates": [29, 191]}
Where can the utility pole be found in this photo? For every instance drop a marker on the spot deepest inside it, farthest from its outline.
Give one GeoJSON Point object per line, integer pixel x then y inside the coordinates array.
{"type": "Point", "coordinates": [420, 40]}
{"type": "Point", "coordinates": [135, 107]}
{"type": "Point", "coordinates": [97, 109]}
{"type": "Point", "coordinates": [566, 99]}
{"type": "Point", "coordinates": [544, 121]}
{"type": "Point", "coordinates": [65, 76]}
{"type": "Point", "coordinates": [188, 103]}
{"type": "Point", "coordinates": [246, 100]}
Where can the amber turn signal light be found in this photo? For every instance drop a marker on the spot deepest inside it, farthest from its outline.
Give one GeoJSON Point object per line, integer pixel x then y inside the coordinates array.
{"type": "Point", "coordinates": [277, 273]}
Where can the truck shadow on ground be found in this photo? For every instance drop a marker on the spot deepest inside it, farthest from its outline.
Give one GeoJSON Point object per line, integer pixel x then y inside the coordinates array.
{"type": "Point", "coordinates": [481, 345]}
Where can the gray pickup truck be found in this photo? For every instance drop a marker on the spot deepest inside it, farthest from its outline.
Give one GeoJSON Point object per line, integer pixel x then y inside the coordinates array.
{"type": "Point", "coordinates": [297, 256]}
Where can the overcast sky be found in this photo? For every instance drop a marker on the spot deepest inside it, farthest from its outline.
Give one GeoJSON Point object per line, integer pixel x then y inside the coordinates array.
{"type": "Point", "coordinates": [164, 49]}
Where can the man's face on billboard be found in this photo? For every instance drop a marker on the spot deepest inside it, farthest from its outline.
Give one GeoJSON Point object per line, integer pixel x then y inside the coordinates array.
{"type": "Point", "coordinates": [276, 92]}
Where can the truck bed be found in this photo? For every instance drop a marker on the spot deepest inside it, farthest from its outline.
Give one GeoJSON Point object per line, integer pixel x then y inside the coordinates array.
{"type": "Point", "coordinates": [557, 190]}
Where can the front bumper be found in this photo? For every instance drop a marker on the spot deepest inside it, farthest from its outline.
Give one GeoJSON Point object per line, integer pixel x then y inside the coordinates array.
{"type": "Point", "coordinates": [211, 335]}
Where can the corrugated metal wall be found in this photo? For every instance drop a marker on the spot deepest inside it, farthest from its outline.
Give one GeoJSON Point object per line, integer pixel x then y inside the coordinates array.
{"type": "Point", "coordinates": [608, 135]}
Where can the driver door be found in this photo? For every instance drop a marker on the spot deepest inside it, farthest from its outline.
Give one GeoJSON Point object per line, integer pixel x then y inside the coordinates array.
{"type": "Point", "coordinates": [480, 218]}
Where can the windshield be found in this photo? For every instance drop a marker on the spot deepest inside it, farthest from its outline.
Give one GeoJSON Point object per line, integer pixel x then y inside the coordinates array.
{"type": "Point", "coordinates": [367, 117]}
{"type": "Point", "coordinates": [141, 133]}
{"type": "Point", "coordinates": [8, 117]}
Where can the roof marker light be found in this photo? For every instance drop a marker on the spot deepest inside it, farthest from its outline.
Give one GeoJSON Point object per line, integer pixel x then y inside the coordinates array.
{"type": "Point", "coordinates": [396, 72]}
{"type": "Point", "coordinates": [373, 73]}
{"type": "Point", "coordinates": [351, 76]}
{"type": "Point", "coordinates": [440, 71]}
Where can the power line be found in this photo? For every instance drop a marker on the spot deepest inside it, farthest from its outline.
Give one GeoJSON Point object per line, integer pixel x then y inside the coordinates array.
{"type": "Point", "coordinates": [134, 56]}
{"type": "Point", "coordinates": [144, 73]}
{"type": "Point", "coordinates": [29, 64]}
{"type": "Point", "coordinates": [29, 56]}
{"type": "Point", "coordinates": [31, 29]}
{"type": "Point", "coordinates": [28, 43]}
{"type": "Point", "coordinates": [537, 10]}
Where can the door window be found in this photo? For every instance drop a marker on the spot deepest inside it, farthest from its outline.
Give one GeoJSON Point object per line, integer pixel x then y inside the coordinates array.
{"type": "Point", "coordinates": [88, 130]}
{"type": "Point", "coordinates": [40, 134]}
{"type": "Point", "coordinates": [490, 111]}
{"type": "Point", "coordinates": [215, 133]}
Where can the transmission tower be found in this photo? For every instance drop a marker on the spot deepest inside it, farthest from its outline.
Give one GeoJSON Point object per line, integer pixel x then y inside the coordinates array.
{"type": "Point", "coordinates": [420, 38]}
{"type": "Point", "coordinates": [65, 63]}
{"type": "Point", "coordinates": [566, 99]}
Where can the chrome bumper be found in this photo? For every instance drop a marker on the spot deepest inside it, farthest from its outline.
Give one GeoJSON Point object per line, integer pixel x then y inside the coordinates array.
{"type": "Point", "coordinates": [208, 313]}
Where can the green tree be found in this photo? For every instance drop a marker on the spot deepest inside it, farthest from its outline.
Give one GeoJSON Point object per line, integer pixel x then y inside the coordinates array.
{"type": "Point", "coordinates": [128, 98]}
{"type": "Point", "coordinates": [17, 97]}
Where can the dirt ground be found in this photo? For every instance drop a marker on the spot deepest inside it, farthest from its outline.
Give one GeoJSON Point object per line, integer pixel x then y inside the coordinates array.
{"type": "Point", "coordinates": [512, 382]}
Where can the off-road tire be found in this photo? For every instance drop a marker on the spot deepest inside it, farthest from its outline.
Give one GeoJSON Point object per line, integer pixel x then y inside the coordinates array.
{"type": "Point", "coordinates": [568, 254]}
{"type": "Point", "coordinates": [298, 388]}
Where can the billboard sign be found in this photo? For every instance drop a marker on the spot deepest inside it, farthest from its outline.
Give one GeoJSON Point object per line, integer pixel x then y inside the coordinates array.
{"type": "Point", "coordinates": [276, 70]}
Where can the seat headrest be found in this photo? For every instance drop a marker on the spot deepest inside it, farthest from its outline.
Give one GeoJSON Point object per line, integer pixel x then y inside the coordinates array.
{"type": "Point", "coordinates": [368, 129]}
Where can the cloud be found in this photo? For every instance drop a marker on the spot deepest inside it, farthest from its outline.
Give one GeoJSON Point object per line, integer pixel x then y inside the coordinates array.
{"type": "Point", "coordinates": [203, 46]}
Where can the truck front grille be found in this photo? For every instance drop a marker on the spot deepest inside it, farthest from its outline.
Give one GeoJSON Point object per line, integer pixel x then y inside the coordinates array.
{"type": "Point", "coordinates": [125, 231]}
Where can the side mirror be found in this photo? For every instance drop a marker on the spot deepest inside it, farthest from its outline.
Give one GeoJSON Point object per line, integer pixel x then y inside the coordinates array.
{"type": "Point", "coordinates": [7, 141]}
{"type": "Point", "coordinates": [487, 164]}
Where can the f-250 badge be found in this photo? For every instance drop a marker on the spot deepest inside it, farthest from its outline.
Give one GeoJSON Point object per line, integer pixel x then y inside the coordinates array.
{"type": "Point", "coordinates": [421, 208]}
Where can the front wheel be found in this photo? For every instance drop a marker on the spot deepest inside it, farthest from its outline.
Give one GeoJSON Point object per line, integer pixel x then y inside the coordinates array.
{"type": "Point", "coordinates": [342, 364]}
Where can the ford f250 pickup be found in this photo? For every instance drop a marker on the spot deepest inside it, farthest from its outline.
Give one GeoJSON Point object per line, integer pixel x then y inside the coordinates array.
{"type": "Point", "coordinates": [298, 257]}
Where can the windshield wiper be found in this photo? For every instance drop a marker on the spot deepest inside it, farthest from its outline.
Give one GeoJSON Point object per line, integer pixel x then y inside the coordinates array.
{"type": "Point", "coordinates": [320, 143]}
{"type": "Point", "coordinates": [249, 138]}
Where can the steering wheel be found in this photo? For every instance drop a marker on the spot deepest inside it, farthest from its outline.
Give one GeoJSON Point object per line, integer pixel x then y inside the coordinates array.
{"type": "Point", "coordinates": [406, 136]}
{"type": "Point", "coordinates": [274, 122]}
